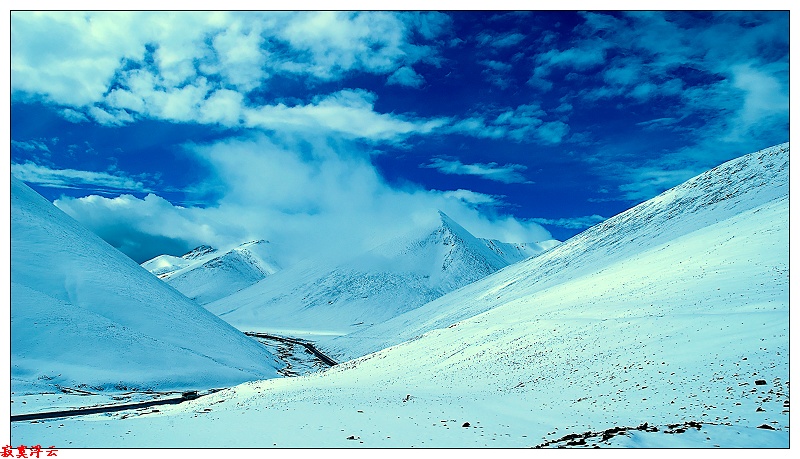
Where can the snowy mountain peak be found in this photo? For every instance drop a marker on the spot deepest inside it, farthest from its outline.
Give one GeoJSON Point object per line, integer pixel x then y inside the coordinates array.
{"type": "Point", "coordinates": [206, 274]}
{"type": "Point", "coordinates": [509, 252]}
{"type": "Point", "coordinates": [450, 226]}
{"type": "Point", "coordinates": [397, 276]}
{"type": "Point", "coordinates": [198, 252]}
{"type": "Point", "coordinates": [448, 222]}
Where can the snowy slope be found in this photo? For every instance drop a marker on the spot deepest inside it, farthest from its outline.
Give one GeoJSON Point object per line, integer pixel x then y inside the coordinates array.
{"type": "Point", "coordinates": [392, 278]}
{"type": "Point", "coordinates": [682, 322]}
{"type": "Point", "coordinates": [82, 313]}
{"type": "Point", "coordinates": [206, 274]}
{"type": "Point", "coordinates": [711, 197]}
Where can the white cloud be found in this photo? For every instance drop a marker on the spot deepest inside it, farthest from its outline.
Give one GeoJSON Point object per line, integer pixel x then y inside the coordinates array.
{"type": "Point", "coordinates": [30, 145]}
{"type": "Point", "coordinates": [69, 57]}
{"type": "Point", "coordinates": [73, 116]}
{"type": "Point", "coordinates": [148, 227]}
{"type": "Point", "coordinates": [71, 178]}
{"type": "Point", "coordinates": [242, 60]}
{"type": "Point", "coordinates": [349, 112]}
{"type": "Point", "coordinates": [765, 98]}
{"type": "Point", "coordinates": [406, 76]}
{"type": "Point", "coordinates": [497, 65]}
{"type": "Point", "coordinates": [525, 123]}
{"type": "Point", "coordinates": [646, 182]}
{"type": "Point", "coordinates": [497, 72]}
{"type": "Point", "coordinates": [590, 54]}
{"type": "Point", "coordinates": [508, 173]}
{"type": "Point", "coordinates": [183, 66]}
{"type": "Point", "coordinates": [473, 198]}
{"type": "Point", "coordinates": [109, 118]}
{"type": "Point", "coordinates": [658, 123]}
{"type": "Point", "coordinates": [572, 222]}
{"type": "Point", "coordinates": [338, 41]}
{"type": "Point", "coordinates": [223, 106]}
{"type": "Point", "coordinates": [317, 200]}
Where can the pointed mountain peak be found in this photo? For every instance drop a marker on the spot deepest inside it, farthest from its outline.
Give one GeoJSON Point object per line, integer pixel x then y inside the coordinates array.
{"type": "Point", "coordinates": [452, 225]}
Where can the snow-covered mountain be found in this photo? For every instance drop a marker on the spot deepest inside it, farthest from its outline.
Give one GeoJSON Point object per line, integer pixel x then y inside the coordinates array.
{"type": "Point", "coordinates": [82, 313]}
{"type": "Point", "coordinates": [666, 326]}
{"type": "Point", "coordinates": [714, 196]}
{"type": "Point", "coordinates": [205, 274]}
{"type": "Point", "coordinates": [392, 278]}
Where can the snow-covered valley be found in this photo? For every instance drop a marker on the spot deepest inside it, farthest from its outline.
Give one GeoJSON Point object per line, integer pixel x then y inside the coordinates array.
{"type": "Point", "coordinates": [673, 314]}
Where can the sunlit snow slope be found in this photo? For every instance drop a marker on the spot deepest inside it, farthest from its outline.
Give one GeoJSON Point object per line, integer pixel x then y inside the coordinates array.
{"type": "Point", "coordinates": [84, 313]}
{"type": "Point", "coordinates": [728, 190]}
{"type": "Point", "coordinates": [206, 274]}
{"type": "Point", "coordinates": [395, 277]}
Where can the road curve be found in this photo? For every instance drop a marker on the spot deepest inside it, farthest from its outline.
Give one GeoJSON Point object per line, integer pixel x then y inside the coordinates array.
{"type": "Point", "coordinates": [322, 357]}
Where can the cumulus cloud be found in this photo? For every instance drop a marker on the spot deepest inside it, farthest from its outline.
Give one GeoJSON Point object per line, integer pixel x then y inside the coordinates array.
{"type": "Point", "coordinates": [311, 198]}
{"type": "Point", "coordinates": [507, 173]}
{"type": "Point", "coordinates": [73, 116]}
{"type": "Point", "coordinates": [148, 227]}
{"type": "Point", "coordinates": [201, 67]}
{"type": "Point", "coordinates": [720, 79]}
{"type": "Point", "coordinates": [114, 67]}
{"type": "Point", "coordinates": [71, 178]}
{"type": "Point", "coordinates": [81, 53]}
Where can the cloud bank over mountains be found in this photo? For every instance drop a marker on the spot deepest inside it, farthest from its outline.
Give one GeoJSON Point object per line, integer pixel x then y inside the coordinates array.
{"type": "Point", "coordinates": [500, 119]}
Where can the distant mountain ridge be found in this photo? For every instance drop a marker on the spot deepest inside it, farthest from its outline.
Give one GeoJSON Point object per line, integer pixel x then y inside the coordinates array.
{"type": "Point", "coordinates": [205, 274]}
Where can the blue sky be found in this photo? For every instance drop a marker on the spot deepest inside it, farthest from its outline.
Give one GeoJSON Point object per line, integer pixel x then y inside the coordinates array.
{"type": "Point", "coordinates": [323, 131]}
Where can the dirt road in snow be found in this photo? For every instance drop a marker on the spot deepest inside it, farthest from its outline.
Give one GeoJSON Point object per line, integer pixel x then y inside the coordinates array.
{"type": "Point", "coordinates": [103, 409]}
{"type": "Point", "coordinates": [310, 347]}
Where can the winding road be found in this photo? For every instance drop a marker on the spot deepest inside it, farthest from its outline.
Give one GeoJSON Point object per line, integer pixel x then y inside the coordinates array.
{"type": "Point", "coordinates": [322, 357]}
